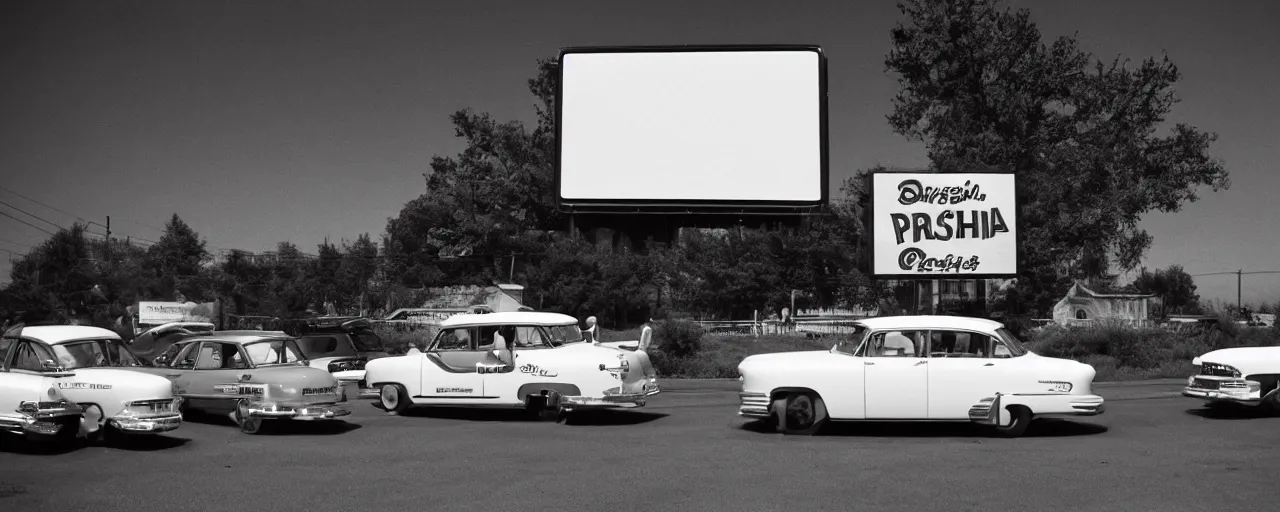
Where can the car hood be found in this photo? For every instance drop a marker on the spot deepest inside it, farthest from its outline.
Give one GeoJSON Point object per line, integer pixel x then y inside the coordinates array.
{"type": "Point", "coordinates": [1248, 360]}
{"type": "Point", "coordinates": [291, 376]}
{"type": "Point", "coordinates": [786, 358]}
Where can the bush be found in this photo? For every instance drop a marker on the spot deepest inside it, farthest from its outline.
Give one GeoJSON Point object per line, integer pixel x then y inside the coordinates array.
{"type": "Point", "coordinates": [397, 338]}
{"type": "Point", "coordinates": [1120, 352]}
{"type": "Point", "coordinates": [678, 338]}
{"type": "Point", "coordinates": [720, 354]}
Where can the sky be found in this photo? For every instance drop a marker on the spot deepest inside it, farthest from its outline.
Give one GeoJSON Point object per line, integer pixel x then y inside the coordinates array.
{"type": "Point", "coordinates": [260, 122]}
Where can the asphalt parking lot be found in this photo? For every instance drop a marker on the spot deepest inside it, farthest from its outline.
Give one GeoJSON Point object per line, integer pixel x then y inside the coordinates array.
{"type": "Point", "coordinates": [687, 450]}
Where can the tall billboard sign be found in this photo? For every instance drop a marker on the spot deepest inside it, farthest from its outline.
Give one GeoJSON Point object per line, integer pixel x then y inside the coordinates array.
{"type": "Point", "coordinates": [944, 225]}
{"type": "Point", "coordinates": [691, 129]}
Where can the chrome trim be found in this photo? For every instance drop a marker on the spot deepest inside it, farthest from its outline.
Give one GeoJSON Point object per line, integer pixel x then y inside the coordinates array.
{"type": "Point", "coordinates": [321, 411]}
{"type": "Point", "coordinates": [753, 405]}
{"type": "Point", "coordinates": [610, 400]}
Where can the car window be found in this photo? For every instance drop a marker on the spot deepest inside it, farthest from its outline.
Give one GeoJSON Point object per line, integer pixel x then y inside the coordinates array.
{"type": "Point", "coordinates": [315, 347]}
{"type": "Point", "coordinates": [895, 344]}
{"type": "Point", "coordinates": [956, 343]}
{"type": "Point", "coordinates": [186, 358]}
{"type": "Point", "coordinates": [31, 356]}
{"type": "Point", "coordinates": [273, 352]}
{"type": "Point", "coordinates": [119, 354]}
{"type": "Point", "coordinates": [530, 337]}
{"type": "Point", "coordinates": [81, 354]}
{"type": "Point", "coordinates": [454, 340]}
{"type": "Point", "coordinates": [1007, 345]}
{"type": "Point", "coordinates": [5, 345]}
{"type": "Point", "coordinates": [217, 356]}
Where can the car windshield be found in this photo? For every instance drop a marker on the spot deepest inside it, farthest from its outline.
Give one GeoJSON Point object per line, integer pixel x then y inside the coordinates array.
{"type": "Point", "coordinates": [564, 334]}
{"type": "Point", "coordinates": [849, 343]}
{"type": "Point", "coordinates": [94, 354]}
{"type": "Point", "coordinates": [274, 352]}
{"type": "Point", "coordinates": [1012, 342]}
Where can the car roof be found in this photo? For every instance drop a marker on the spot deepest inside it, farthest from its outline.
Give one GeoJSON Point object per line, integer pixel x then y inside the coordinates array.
{"type": "Point", "coordinates": [541, 318]}
{"type": "Point", "coordinates": [930, 321]}
{"type": "Point", "coordinates": [58, 334]}
{"type": "Point", "coordinates": [239, 337]}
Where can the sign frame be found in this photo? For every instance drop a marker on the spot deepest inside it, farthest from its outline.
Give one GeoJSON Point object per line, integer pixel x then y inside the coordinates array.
{"type": "Point", "coordinates": [1017, 224]}
{"type": "Point", "coordinates": [697, 206]}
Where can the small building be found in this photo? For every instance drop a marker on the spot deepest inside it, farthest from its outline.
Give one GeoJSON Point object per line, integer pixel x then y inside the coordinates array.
{"type": "Point", "coordinates": [1082, 306]}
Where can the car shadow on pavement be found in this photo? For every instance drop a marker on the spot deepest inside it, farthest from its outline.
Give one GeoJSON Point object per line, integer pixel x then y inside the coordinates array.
{"type": "Point", "coordinates": [280, 427]}
{"type": "Point", "coordinates": [17, 445]}
{"type": "Point", "coordinates": [1040, 427]}
{"type": "Point", "coordinates": [150, 443]}
{"type": "Point", "coordinates": [582, 418]}
{"type": "Point", "coordinates": [1231, 412]}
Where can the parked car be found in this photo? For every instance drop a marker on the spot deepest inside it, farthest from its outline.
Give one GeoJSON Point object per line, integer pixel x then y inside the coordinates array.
{"type": "Point", "coordinates": [115, 400]}
{"type": "Point", "coordinates": [31, 403]}
{"type": "Point", "coordinates": [1241, 376]}
{"type": "Point", "coordinates": [149, 344]}
{"type": "Point", "coordinates": [342, 346]}
{"type": "Point", "coordinates": [533, 360]}
{"type": "Point", "coordinates": [911, 368]}
{"type": "Point", "coordinates": [252, 376]}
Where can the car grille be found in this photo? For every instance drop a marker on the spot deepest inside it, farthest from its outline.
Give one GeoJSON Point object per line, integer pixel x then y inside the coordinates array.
{"type": "Point", "coordinates": [1216, 370]}
{"type": "Point", "coordinates": [1206, 384]}
{"type": "Point", "coordinates": [161, 406]}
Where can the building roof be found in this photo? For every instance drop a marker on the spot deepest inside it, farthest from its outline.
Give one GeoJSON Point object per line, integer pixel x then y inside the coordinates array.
{"type": "Point", "coordinates": [1078, 289]}
{"type": "Point", "coordinates": [542, 318]}
{"type": "Point", "coordinates": [57, 334]}
{"type": "Point", "coordinates": [930, 321]}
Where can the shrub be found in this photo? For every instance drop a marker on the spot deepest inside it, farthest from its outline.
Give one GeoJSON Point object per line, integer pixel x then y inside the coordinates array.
{"type": "Point", "coordinates": [397, 339]}
{"type": "Point", "coordinates": [678, 338]}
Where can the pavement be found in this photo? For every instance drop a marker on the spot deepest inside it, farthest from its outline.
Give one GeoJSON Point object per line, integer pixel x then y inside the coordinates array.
{"type": "Point", "coordinates": [687, 450]}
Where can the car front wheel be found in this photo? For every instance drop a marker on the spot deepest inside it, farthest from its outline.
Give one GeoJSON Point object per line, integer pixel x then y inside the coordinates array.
{"type": "Point", "coordinates": [247, 424]}
{"type": "Point", "coordinates": [799, 413]}
{"type": "Point", "coordinates": [394, 399]}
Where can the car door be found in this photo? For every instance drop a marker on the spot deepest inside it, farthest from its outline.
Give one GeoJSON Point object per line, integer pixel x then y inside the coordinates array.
{"type": "Point", "coordinates": [450, 370]}
{"type": "Point", "coordinates": [16, 387]}
{"type": "Point", "coordinates": [961, 372]}
{"type": "Point", "coordinates": [896, 375]}
{"type": "Point", "coordinates": [207, 367]}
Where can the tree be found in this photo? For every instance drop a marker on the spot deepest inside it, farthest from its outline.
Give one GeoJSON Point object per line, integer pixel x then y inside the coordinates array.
{"type": "Point", "coordinates": [176, 261]}
{"type": "Point", "coordinates": [983, 91]}
{"type": "Point", "coordinates": [479, 204]}
{"type": "Point", "coordinates": [1174, 286]}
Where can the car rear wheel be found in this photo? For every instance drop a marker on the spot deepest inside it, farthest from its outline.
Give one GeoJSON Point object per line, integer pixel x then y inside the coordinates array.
{"type": "Point", "coordinates": [1020, 419]}
{"type": "Point", "coordinates": [394, 399]}
{"type": "Point", "coordinates": [248, 424]}
{"type": "Point", "coordinates": [799, 413]}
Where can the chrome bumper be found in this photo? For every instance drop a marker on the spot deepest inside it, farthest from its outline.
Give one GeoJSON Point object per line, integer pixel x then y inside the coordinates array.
{"type": "Point", "coordinates": [753, 405]}
{"type": "Point", "coordinates": [151, 424]}
{"type": "Point", "coordinates": [302, 412]}
{"type": "Point", "coordinates": [45, 423]}
{"type": "Point", "coordinates": [610, 399]}
{"type": "Point", "coordinates": [1223, 389]}
{"type": "Point", "coordinates": [365, 391]}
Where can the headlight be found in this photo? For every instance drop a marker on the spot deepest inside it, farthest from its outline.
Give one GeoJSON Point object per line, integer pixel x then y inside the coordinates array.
{"type": "Point", "coordinates": [1057, 386]}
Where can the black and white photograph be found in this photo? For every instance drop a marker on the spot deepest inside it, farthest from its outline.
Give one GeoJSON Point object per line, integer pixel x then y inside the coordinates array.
{"type": "Point", "coordinates": [700, 255]}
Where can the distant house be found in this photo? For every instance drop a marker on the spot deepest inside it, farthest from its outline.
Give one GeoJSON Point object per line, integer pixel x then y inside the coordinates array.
{"type": "Point", "coordinates": [1083, 306]}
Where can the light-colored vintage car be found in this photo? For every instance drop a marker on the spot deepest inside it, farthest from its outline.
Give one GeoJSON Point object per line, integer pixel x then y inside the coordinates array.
{"type": "Point", "coordinates": [251, 376]}
{"type": "Point", "coordinates": [914, 368]}
{"type": "Point", "coordinates": [342, 346]}
{"type": "Point", "coordinates": [31, 403]}
{"type": "Point", "coordinates": [115, 400]}
{"type": "Point", "coordinates": [533, 360]}
{"type": "Point", "coordinates": [1242, 376]}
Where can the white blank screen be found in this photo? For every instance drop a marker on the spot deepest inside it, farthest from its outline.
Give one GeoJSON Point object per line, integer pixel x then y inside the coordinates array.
{"type": "Point", "coordinates": [733, 125]}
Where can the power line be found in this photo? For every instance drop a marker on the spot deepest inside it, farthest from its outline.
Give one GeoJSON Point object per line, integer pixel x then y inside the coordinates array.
{"type": "Point", "coordinates": [15, 243]}
{"type": "Point", "coordinates": [6, 214]}
{"type": "Point", "coordinates": [29, 214]}
{"type": "Point", "coordinates": [77, 217]}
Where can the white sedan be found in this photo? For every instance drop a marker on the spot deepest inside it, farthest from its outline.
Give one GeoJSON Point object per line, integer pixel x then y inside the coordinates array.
{"type": "Point", "coordinates": [916, 368]}
{"type": "Point", "coordinates": [1242, 376]}
{"type": "Point", "coordinates": [533, 360]}
{"type": "Point", "coordinates": [98, 376]}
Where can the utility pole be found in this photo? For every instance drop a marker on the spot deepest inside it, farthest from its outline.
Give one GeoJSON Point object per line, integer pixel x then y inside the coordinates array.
{"type": "Point", "coordinates": [1239, 305]}
{"type": "Point", "coordinates": [108, 226]}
